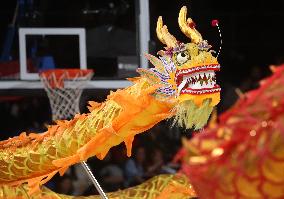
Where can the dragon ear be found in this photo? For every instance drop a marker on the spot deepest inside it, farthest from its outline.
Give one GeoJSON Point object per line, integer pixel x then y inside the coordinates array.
{"type": "Point", "coordinates": [156, 62]}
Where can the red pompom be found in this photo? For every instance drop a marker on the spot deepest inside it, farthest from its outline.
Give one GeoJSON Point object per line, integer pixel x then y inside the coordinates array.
{"type": "Point", "coordinates": [214, 22]}
{"type": "Point", "coordinates": [191, 25]}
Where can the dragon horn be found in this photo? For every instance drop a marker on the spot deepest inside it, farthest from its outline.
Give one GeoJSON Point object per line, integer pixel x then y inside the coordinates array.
{"type": "Point", "coordinates": [163, 34]}
{"type": "Point", "coordinates": [187, 26]}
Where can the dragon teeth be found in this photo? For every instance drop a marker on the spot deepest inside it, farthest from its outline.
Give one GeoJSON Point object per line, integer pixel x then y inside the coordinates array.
{"type": "Point", "coordinates": [201, 80]}
{"type": "Point", "coordinates": [198, 68]}
{"type": "Point", "coordinates": [201, 91]}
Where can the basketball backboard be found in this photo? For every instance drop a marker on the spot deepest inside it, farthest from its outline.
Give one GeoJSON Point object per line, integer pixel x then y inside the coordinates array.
{"type": "Point", "coordinates": [27, 80]}
{"type": "Point", "coordinates": [23, 32]}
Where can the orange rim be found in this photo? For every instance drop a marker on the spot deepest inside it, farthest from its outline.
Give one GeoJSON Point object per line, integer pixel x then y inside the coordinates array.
{"type": "Point", "coordinates": [56, 77]}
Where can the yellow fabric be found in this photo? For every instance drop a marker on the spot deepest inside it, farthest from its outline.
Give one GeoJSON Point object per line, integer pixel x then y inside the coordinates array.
{"type": "Point", "coordinates": [159, 187]}
{"type": "Point", "coordinates": [215, 98]}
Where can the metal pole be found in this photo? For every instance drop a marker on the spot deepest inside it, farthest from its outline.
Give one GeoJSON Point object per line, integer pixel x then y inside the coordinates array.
{"type": "Point", "coordinates": [94, 180]}
{"type": "Point", "coordinates": [144, 31]}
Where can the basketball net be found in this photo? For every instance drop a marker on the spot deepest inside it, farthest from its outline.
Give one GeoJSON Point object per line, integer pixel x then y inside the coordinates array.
{"type": "Point", "coordinates": [64, 88]}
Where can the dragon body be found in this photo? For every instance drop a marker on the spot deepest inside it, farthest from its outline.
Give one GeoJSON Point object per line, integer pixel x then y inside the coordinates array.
{"type": "Point", "coordinates": [182, 85]}
{"type": "Point", "coordinates": [241, 156]}
{"type": "Point", "coordinates": [159, 187]}
{"type": "Point", "coordinates": [37, 157]}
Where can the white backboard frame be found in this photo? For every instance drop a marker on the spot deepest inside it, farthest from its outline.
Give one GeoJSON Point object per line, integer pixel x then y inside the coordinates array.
{"type": "Point", "coordinates": [23, 32]}
{"type": "Point", "coordinates": [94, 84]}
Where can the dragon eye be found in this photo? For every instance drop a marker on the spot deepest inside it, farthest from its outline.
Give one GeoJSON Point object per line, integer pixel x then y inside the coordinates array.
{"type": "Point", "coordinates": [182, 57]}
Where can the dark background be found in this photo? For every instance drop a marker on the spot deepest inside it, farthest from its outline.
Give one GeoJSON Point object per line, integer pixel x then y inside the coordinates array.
{"type": "Point", "coordinates": [252, 30]}
{"type": "Point", "coordinates": [252, 40]}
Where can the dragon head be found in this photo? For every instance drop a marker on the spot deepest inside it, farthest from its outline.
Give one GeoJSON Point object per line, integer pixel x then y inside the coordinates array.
{"type": "Point", "coordinates": [186, 73]}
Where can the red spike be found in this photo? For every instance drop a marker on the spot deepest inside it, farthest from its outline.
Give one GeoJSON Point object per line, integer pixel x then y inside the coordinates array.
{"type": "Point", "coordinates": [192, 25]}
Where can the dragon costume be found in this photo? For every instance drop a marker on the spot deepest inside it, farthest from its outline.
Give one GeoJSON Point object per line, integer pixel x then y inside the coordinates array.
{"type": "Point", "coordinates": [241, 156]}
{"type": "Point", "coordinates": [182, 85]}
{"type": "Point", "coordinates": [159, 187]}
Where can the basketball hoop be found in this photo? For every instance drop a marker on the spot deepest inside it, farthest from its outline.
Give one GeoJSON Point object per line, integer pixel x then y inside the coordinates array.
{"type": "Point", "coordinates": [64, 88]}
